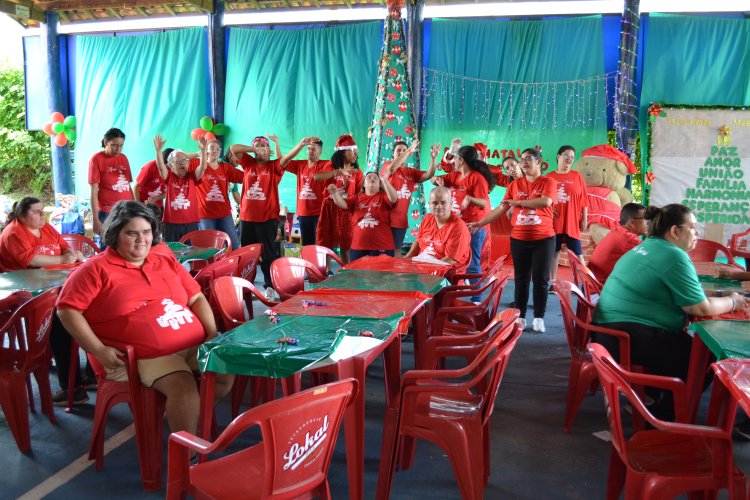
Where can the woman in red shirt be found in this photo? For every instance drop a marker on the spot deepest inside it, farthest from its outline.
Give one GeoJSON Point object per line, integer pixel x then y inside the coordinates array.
{"type": "Point", "coordinates": [109, 177]}
{"type": "Point", "coordinates": [371, 216]}
{"type": "Point", "coordinates": [334, 225]}
{"type": "Point", "coordinates": [532, 239]}
{"type": "Point", "coordinates": [131, 295]}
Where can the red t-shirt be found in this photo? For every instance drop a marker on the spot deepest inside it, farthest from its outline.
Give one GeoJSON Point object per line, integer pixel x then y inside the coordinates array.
{"type": "Point", "coordinates": [474, 185]}
{"type": "Point", "coordinates": [532, 223]}
{"type": "Point", "coordinates": [348, 185]}
{"type": "Point", "coordinates": [501, 179]}
{"type": "Point", "coordinates": [145, 307]}
{"type": "Point", "coordinates": [150, 183]}
{"type": "Point", "coordinates": [260, 190]}
{"type": "Point", "coordinates": [452, 240]}
{"type": "Point", "coordinates": [181, 203]}
{"type": "Point", "coordinates": [309, 193]}
{"type": "Point", "coordinates": [213, 190]}
{"type": "Point", "coordinates": [18, 245]}
{"type": "Point", "coordinates": [404, 180]}
{"type": "Point", "coordinates": [112, 173]}
{"type": "Point", "coordinates": [571, 199]}
{"type": "Point", "coordinates": [609, 250]}
{"type": "Point", "coordinates": [371, 228]}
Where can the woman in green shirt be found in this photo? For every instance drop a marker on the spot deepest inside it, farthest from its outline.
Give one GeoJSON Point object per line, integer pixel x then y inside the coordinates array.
{"type": "Point", "coordinates": [652, 290]}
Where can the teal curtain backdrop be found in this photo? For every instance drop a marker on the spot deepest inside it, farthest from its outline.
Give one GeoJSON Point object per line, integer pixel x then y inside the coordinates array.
{"type": "Point", "coordinates": [296, 83]}
{"type": "Point", "coordinates": [694, 60]}
{"type": "Point", "coordinates": [541, 52]}
{"type": "Point", "coordinates": [143, 85]}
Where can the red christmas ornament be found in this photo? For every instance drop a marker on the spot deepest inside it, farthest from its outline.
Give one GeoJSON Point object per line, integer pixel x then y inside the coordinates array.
{"type": "Point", "coordinates": [381, 88]}
{"type": "Point", "coordinates": [396, 50]}
{"type": "Point", "coordinates": [396, 35]}
{"type": "Point", "coordinates": [402, 106]}
{"type": "Point", "coordinates": [393, 72]}
{"type": "Point", "coordinates": [390, 115]}
{"type": "Point", "coordinates": [408, 130]}
{"type": "Point", "coordinates": [395, 14]}
{"type": "Point", "coordinates": [391, 97]}
{"type": "Point", "coordinates": [389, 132]}
{"type": "Point", "coordinates": [650, 177]}
{"type": "Point", "coordinates": [413, 232]}
{"type": "Point", "coordinates": [397, 86]}
{"type": "Point", "coordinates": [415, 214]}
{"type": "Point", "coordinates": [654, 110]}
{"type": "Point", "coordinates": [398, 138]}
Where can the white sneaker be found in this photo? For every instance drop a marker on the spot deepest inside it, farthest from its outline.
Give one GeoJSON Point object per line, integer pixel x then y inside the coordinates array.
{"type": "Point", "coordinates": [522, 322]}
{"type": "Point", "coordinates": [538, 325]}
{"type": "Point", "coordinates": [270, 293]}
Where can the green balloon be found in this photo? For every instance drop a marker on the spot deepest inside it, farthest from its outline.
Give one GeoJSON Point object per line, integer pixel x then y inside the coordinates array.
{"type": "Point", "coordinates": [58, 128]}
{"type": "Point", "coordinates": [220, 129]}
{"type": "Point", "coordinates": [206, 124]}
{"type": "Point", "coordinates": [70, 121]}
{"type": "Point", "coordinates": [70, 134]}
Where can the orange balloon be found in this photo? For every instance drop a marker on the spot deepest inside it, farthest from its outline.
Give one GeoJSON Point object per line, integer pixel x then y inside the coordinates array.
{"type": "Point", "coordinates": [48, 129]}
{"type": "Point", "coordinates": [61, 140]}
{"type": "Point", "coordinates": [197, 133]}
{"type": "Point", "coordinates": [210, 136]}
{"type": "Point", "coordinates": [57, 117]}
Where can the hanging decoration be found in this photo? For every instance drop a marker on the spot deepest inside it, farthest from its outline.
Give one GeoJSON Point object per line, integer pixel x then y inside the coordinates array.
{"type": "Point", "coordinates": [626, 102]}
{"type": "Point", "coordinates": [393, 117]}
{"type": "Point", "coordinates": [62, 129]}
{"type": "Point", "coordinates": [209, 129]}
{"type": "Point", "coordinates": [461, 100]}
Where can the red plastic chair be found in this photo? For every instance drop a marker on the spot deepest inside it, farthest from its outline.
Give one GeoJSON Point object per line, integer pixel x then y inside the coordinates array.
{"type": "Point", "coordinates": [147, 406]}
{"type": "Point", "coordinates": [81, 243]}
{"type": "Point", "coordinates": [288, 275]}
{"type": "Point", "coordinates": [24, 350]}
{"type": "Point", "coordinates": [299, 434]}
{"type": "Point", "coordinates": [320, 257]}
{"type": "Point", "coordinates": [451, 408]}
{"type": "Point", "coordinates": [208, 238]}
{"type": "Point", "coordinates": [460, 281]}
{"type": "Point", "coordinates": [670, 459]}
{"type": "Point", "coordinates": [224, 267]}
{"type": "Point", "coordinates": [578, 330]}
{"type": "Point", "coordinates": [707, 250]}
{"type": "Point", "coordinates": [230, 295]}
{"type": "Point", "coordinates": [247, 260]}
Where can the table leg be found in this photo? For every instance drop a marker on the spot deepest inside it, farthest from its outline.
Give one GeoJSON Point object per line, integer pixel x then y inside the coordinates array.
{"type": "Point", "coordinates": [354, 427]}
{"type": "Point", "coordinates": [392, 368]}
{"type": "Point", "coordinates": [699, 355]}
{"type": "Point", "coordinates": [205, 419]}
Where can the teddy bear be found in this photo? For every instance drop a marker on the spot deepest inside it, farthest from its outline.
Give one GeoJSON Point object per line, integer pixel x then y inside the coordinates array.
{"type": "Point", "coordinates": [605, 170]}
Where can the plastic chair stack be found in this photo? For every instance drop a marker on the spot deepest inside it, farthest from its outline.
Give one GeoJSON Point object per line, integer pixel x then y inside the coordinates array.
{"type": "Point", "coordinates": [223, 267]}
{"type": "Point", "coordinates": [288, 275]}
{"type": "Point", "coordinates": [292, 461]}
{"type": "Point", "coordinates": [24, 350]}
{"type": "Point", "coordinates": [247, 260]}
{"type": "Point", "coordinates": [671, 458]}
{"type": "Point", "coordinates": [81, 243]}
{"type": "Point", "coordinates": [320, 257]}
{"type": "Point", "coordinates": [207, 238]}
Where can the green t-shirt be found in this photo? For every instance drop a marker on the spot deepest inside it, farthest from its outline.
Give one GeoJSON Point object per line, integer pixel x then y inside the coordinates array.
{"type": "Point", "coordinates": [649, 285]}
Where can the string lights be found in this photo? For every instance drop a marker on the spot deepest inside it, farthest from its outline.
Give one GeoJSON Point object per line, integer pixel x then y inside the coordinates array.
{"type": "Point", "coordinates": [626, 104]}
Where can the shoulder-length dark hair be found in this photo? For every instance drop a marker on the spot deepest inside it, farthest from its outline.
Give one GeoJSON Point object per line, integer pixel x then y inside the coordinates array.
{"type": "Point", "coordinates": [121, 214]}
{"type": "Point", "coordinates": [113, 133]}
{"type": "Point", "coordinates": [666, 217]}
{"type": "Point", "coordinates": [337, 160]}
{"type": "Point", "coordinates": [21, 208]}
{"type": "Point", "coordinates": [470, 156]}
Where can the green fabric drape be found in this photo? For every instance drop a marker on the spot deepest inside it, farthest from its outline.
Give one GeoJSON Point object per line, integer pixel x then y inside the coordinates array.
{"type": "Point", "coordinates": [296, 83]}
{"type": "Point", "coordinates": [695, 60]}
{"type": "Point", "coordinates": [143, 85]}
{"type": "Point", "coordinates": [517, 51]}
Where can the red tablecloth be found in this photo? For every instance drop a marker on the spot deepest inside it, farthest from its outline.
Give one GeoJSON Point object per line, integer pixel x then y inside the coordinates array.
{"type": "Point", "coordinates": [392, 264]}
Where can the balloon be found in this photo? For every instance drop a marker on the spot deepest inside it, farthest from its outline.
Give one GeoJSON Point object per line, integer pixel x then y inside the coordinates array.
{"type": "Point", "coordinates": [197, 133]}
{"type": "Point", "coordinates": [58, 128]}
{"type": "Point", "coordinates": [206, 123]}
{"type": "Point", "coordinates": [220, 129]}
{"type": "Point", "coordinates": [70, 134]}
{"type": "Point", "coordinates": [57, 117]}
{"type": "Point", "coordinates": [48, 129]}
{"type": "Point", "coordinates": [70, 121]}
{"type": "Point", "coordinates": [61, 140]}
{"type": "Point", "coordinates": [210, 136]}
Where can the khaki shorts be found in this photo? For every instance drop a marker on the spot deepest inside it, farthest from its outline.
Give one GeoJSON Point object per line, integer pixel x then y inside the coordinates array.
{"type": "Point", "coordinates": [151, 370]}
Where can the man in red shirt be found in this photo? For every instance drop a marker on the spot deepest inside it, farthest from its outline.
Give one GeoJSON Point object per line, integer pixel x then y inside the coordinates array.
{"type": "Point", "coordinates": [309, 193]}
{"type": "Point", "coordinates": [633, 223]}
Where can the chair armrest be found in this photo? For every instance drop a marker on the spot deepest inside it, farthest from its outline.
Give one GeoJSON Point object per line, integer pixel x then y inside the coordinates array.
{"type": "Point", "coordinates": [262, 298]}
{"type": "Point", "coordinates": [622, 338]}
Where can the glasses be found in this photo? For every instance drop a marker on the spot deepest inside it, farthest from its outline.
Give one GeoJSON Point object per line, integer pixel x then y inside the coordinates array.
{"type": "Point", "coordinates": [526, 159]}
{"type": "Point", "coordinates": [690, 227]}
{"type": "Point", "coordinates": [569, 156]}
{"type": "Point", "coordinates": [181, 162]}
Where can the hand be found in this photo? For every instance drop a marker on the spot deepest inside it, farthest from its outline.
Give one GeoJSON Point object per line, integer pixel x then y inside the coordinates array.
{"type": "Point", "coordinates": [310, 140]}
{"type": "Point", "coordinates": [465, 203]}
{"type": "Point", "coordinates": [159, 143]}
{"type": "Point", "coordinates": [69, 257]}
{"type": "Point", "coordinates": [97, 224]}
{"type": "Point", "coordinates": [725, 273]}
{"type": "Point", "coordinates": [332, 188]}
{"type": "Point", "coordinates": [740, 302]}
{"type": "Point", "coordinates": [455, 144]}
{"type": "Point", "coordinates": [109, 357]}
{"type": "Point", "coordinates": [438, 181]}
{"type": "Point", "coordinates": [473, 227]}
{"type": "Point", "coordinates": [584, 226]}
{"type": "Point", "coordinates": [555, 213]}
{"type": "Point", "coordinates": [413, 147]}
{"type": "Point", "coordinates": [435, 151]}
{"type": "Point", "coordinates": [274, 138]}
{"type": "Point", "coordinates": [202, 142]}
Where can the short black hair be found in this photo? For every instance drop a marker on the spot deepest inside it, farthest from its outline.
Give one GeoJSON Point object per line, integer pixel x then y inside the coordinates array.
{"type": "Point", "coordinates": [629, 211]}
{"type": "Point", "coordinates": [666, 217]}
{"type": "Point", "coordinates": [113, 133]}
{"type": "Point", "coordinates": [121, 214]}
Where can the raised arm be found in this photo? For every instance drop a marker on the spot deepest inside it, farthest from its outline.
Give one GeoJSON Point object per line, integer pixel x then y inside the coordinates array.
{"type": "Point", "coordinates": [434, 152]}
{"type": "Point", "coordinates": [159, 146]}
{"type": "Point", "coordinates": [390, 191]}
{"type": "Point", "coordinates": [239, 149]}
{"type": "Point", "coordinates": [275, 139]}
{"type": "Point", "coordinates": [203, 158]}
{"type": "Point", "coordinates": [336, 197]}
{"type": "Point", "coordinates": [397, 162]}
{"type": "Point", "coordinates": [328, 174]}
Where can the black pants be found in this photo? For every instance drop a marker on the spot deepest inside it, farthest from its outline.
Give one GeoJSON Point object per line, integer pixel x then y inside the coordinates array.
{"type": "Point", "coordinates": [264, 233]}
{"type": "Point", "coordinates": [173, 232]}
{"type": "Point", "coordinates": [531, 262]}
{"type": "Point", "coordinates": [308, 224]}
{"type": "Point", "coordinates": [60, 342]}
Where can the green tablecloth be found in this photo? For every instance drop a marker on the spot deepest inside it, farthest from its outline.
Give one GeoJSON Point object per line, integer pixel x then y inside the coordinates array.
{"type": "Point", "coordinates": [186, 253]}
{"type": "Point", "coordinates": [252, 348]}
{"type": "Point", "coordinates": [32, 280]}
{"type": "Point", "coordinates": [714, 286]}
{"type": "Point", "coordinates": [355, 279]}
{"type": "Point", "coordinates": [725, 339]}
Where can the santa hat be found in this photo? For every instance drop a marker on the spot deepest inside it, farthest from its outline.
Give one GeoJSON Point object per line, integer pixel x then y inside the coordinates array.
{"type": "Point", "coordinates": [346, 141]}
{"type": "Point", "coordinates": [607, 151]}
{"type": "Point", "coordinates": [482, 150]}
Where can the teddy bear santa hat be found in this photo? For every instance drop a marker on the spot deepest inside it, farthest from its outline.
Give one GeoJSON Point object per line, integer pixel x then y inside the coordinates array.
{"type": "Point", "coordinates": [607, 151]}
{"type": "Point", "coordinates": [346, 141]}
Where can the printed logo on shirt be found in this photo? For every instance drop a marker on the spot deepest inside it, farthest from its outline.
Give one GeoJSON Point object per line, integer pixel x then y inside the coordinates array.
{"type": "Point", "coordinates": [181, 202]}
{"type": "Point", "coordinates": [214, 194]}
{"type": "Point", "coordinates": [455, 205]}
{"type": "Point", "coordinates": [121, 185]}
{"type": "Point", "coordinates": [155, 193]}
{"type": "Point", "coordinates": [368, 221]}
{"type": "Point", "coordinates": [48, 249]}
{"type": "Point", "coordinates": [174, 315]}
{"type": "Point", "coordinates": [640, 250]}
{"type": "Point", "coordinates": [404, 192]}
{"type": "Point", "coordinates": [255, 192]}
{"type": "Point", "coordinates": [562, 196]}
{"type": "Point", "coordinates": [529, 218]}
{"type": "Point", "coordinates": [306, 193]}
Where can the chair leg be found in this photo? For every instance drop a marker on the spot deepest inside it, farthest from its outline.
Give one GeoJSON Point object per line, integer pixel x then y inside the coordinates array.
{"type": "Point", "coordinates": [30, 394]}
{"type": "Point", "coordinates": [388, 454]}
{"type": "Point", "coordinates": [13, 401]}
{"type": "Point", "coordinates": [616, 476]}
{"type": "Point", "coordinates": [238, 392]}
{"type": "Point", "coordinates": [41, 374]}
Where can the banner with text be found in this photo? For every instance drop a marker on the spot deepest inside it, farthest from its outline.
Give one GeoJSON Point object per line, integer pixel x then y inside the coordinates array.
{"type": "Point", "coordinates": [701, 158]}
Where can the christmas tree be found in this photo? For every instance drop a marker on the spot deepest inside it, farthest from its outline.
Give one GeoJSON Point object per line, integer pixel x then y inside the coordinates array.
{"type": "Point", "coordinates": [255, 192]}
{"type": "Point", "coordinates": [215, 193]}
{"type": "Point", "coordinates": [393, 113]}
{"type": "Point", "coordinates": [122, 184]}
{"type": "Point", "coordinates": [181, 202]}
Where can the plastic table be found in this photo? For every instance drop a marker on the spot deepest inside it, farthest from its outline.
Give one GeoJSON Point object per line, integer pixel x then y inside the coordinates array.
{"type": "Point", "coordinates": [34, 281]}
{"type": "Point", "coordinates": [386, 263]}
{"type": "Point", "coordinates": [357, 279]}
{"type": "Point", "coordinates": [187, 253]}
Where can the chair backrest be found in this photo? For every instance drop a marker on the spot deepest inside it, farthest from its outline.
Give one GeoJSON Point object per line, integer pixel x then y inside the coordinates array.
{"type": "Point", "coordinates": [288, 275]}
{"type": "Point", "coordinates": [223, 267]}
{"type": "Point", "coordinates": [707, 250]}
{"type": "Point", "coordinates": [738, 241]}
{"type": "Point", "coordinates": [299, 435]}
{"type": "Point", "coordinates": [81, 243]}
{"type": "Point", "coordinates": [247, 260]}
{"type": "Point", "coordinates": [228, 295]}
{"type": "Point", "coordinates": [320, 257]}
{"type": "Point", "coordinates": [501, 278]}
{"type": "Point", "coordinates": [208, 238]}
{"type": "Point", "coordinates": [27, 329]}
{"type": "Point", "coordinates": [575, 323]}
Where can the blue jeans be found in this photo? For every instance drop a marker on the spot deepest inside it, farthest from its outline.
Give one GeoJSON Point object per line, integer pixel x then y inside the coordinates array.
{"type": "Point", "coordinates": [399, 233]}
{"type": "Point", "coordinates": [102, 217]}
{"type": "Point", "coordinates": [475, 265]}
{"type": "Point", "coordinates": [357, 254]}
{"type": "Point", "coordinates": [225, 224]}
